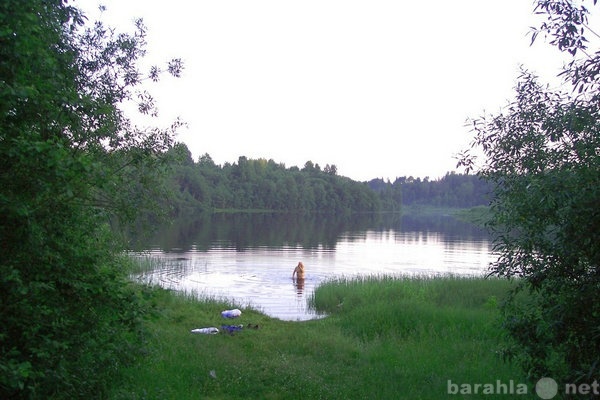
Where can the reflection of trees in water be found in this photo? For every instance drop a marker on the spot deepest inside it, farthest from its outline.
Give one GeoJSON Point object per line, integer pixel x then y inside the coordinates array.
{"type": "Point", "coordinates": [444, 224]}
{"type": "Point", "coordinates": [309, 231]}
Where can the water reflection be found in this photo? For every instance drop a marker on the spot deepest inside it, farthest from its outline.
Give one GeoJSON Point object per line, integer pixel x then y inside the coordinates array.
{"type": "Point", "coordinates": [299, 284]}
{"type": "Point", "coordinates": [241, 231]}
{"type": "Point", "coordinates": [250, 257]}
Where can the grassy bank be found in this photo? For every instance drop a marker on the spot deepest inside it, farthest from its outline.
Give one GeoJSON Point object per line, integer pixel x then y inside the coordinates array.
{"type": "Point", "coordinates": [384, 338]}
{"type": "Point", "coordinates": [479, 215]}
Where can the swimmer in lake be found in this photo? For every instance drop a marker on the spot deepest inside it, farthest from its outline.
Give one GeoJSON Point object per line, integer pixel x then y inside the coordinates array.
{"type": "Point", "coordinates": [298, 271]}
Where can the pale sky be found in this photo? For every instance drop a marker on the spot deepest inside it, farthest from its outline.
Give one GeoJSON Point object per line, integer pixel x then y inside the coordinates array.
{"type": "Point", "coordinates": [379, 88]}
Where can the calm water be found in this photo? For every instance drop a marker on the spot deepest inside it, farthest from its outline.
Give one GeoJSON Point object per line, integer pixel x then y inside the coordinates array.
{"type": "Point", "coordinates": [249, 258]}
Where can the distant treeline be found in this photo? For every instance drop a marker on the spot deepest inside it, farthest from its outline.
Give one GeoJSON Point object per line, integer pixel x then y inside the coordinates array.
{"type": "Point", "coordinates": [452, 190]}
{"type": "Point", "coordinates": [267, 185]}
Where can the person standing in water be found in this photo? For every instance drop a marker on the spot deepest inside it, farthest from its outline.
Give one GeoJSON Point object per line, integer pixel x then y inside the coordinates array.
{"type": "Point", "coordinates": [298, 271]}
{"type": "Point", "coordinates": [298, 278]}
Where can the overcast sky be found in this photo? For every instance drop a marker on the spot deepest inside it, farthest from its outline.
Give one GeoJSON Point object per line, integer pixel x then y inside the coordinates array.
{"type": "Point", "coordinates": [379, 88]}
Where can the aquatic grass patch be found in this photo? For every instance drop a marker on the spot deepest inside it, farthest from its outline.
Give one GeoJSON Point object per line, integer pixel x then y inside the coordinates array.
{"type": "Point", "coordinates": [421, 331]}
{"type": "Point", "coordinates": [371, 306]}
{"type": "Point", "coordinates": [141, 263]}
{"type": "Point", "coordinates": [339, 294]}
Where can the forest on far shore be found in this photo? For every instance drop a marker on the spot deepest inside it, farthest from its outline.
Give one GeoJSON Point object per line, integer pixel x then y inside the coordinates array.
{"type": "Point", "coordinates": [261, 184]}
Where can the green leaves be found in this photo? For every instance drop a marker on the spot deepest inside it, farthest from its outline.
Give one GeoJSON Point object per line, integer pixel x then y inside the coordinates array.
{"type": "Point", "coordinates": [68, 159]}
{"type": "Point", "coordinates": [541, 154]}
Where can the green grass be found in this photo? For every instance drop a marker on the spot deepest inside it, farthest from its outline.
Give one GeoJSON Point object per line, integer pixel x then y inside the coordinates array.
{"type": "Point", "coordinates": [479, 215]}
{"type": "Point", "coordinates": [422, 210]}
{"type": "Point", "coordinates": [383, 338]}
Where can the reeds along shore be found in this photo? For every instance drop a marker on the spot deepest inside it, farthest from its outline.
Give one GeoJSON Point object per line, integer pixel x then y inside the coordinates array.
{"type": "Point", "coordinates": [383, 338]}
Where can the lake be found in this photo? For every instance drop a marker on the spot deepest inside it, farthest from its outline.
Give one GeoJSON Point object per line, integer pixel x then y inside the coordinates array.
{"type": "Point", "coordinates": [249, 257]}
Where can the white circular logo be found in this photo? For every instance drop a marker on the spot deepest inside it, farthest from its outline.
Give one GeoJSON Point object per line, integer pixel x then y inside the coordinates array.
{"type": "Point", "coordinates": [546, 388]}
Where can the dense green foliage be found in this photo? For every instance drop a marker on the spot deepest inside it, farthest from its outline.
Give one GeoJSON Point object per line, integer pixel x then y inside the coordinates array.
{"type": "Point", "coordinates": [389, 339]}
{"type": "Point", "coordinates": [542, 155]}
{"type": "Point", "coordinates": [267, 185]}
{"type": "Point", "coordinates": [69, 160]}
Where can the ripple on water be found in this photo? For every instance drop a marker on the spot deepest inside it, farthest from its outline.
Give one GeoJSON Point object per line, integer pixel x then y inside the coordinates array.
{"type": "Point", "coordinates": [261, 277]}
